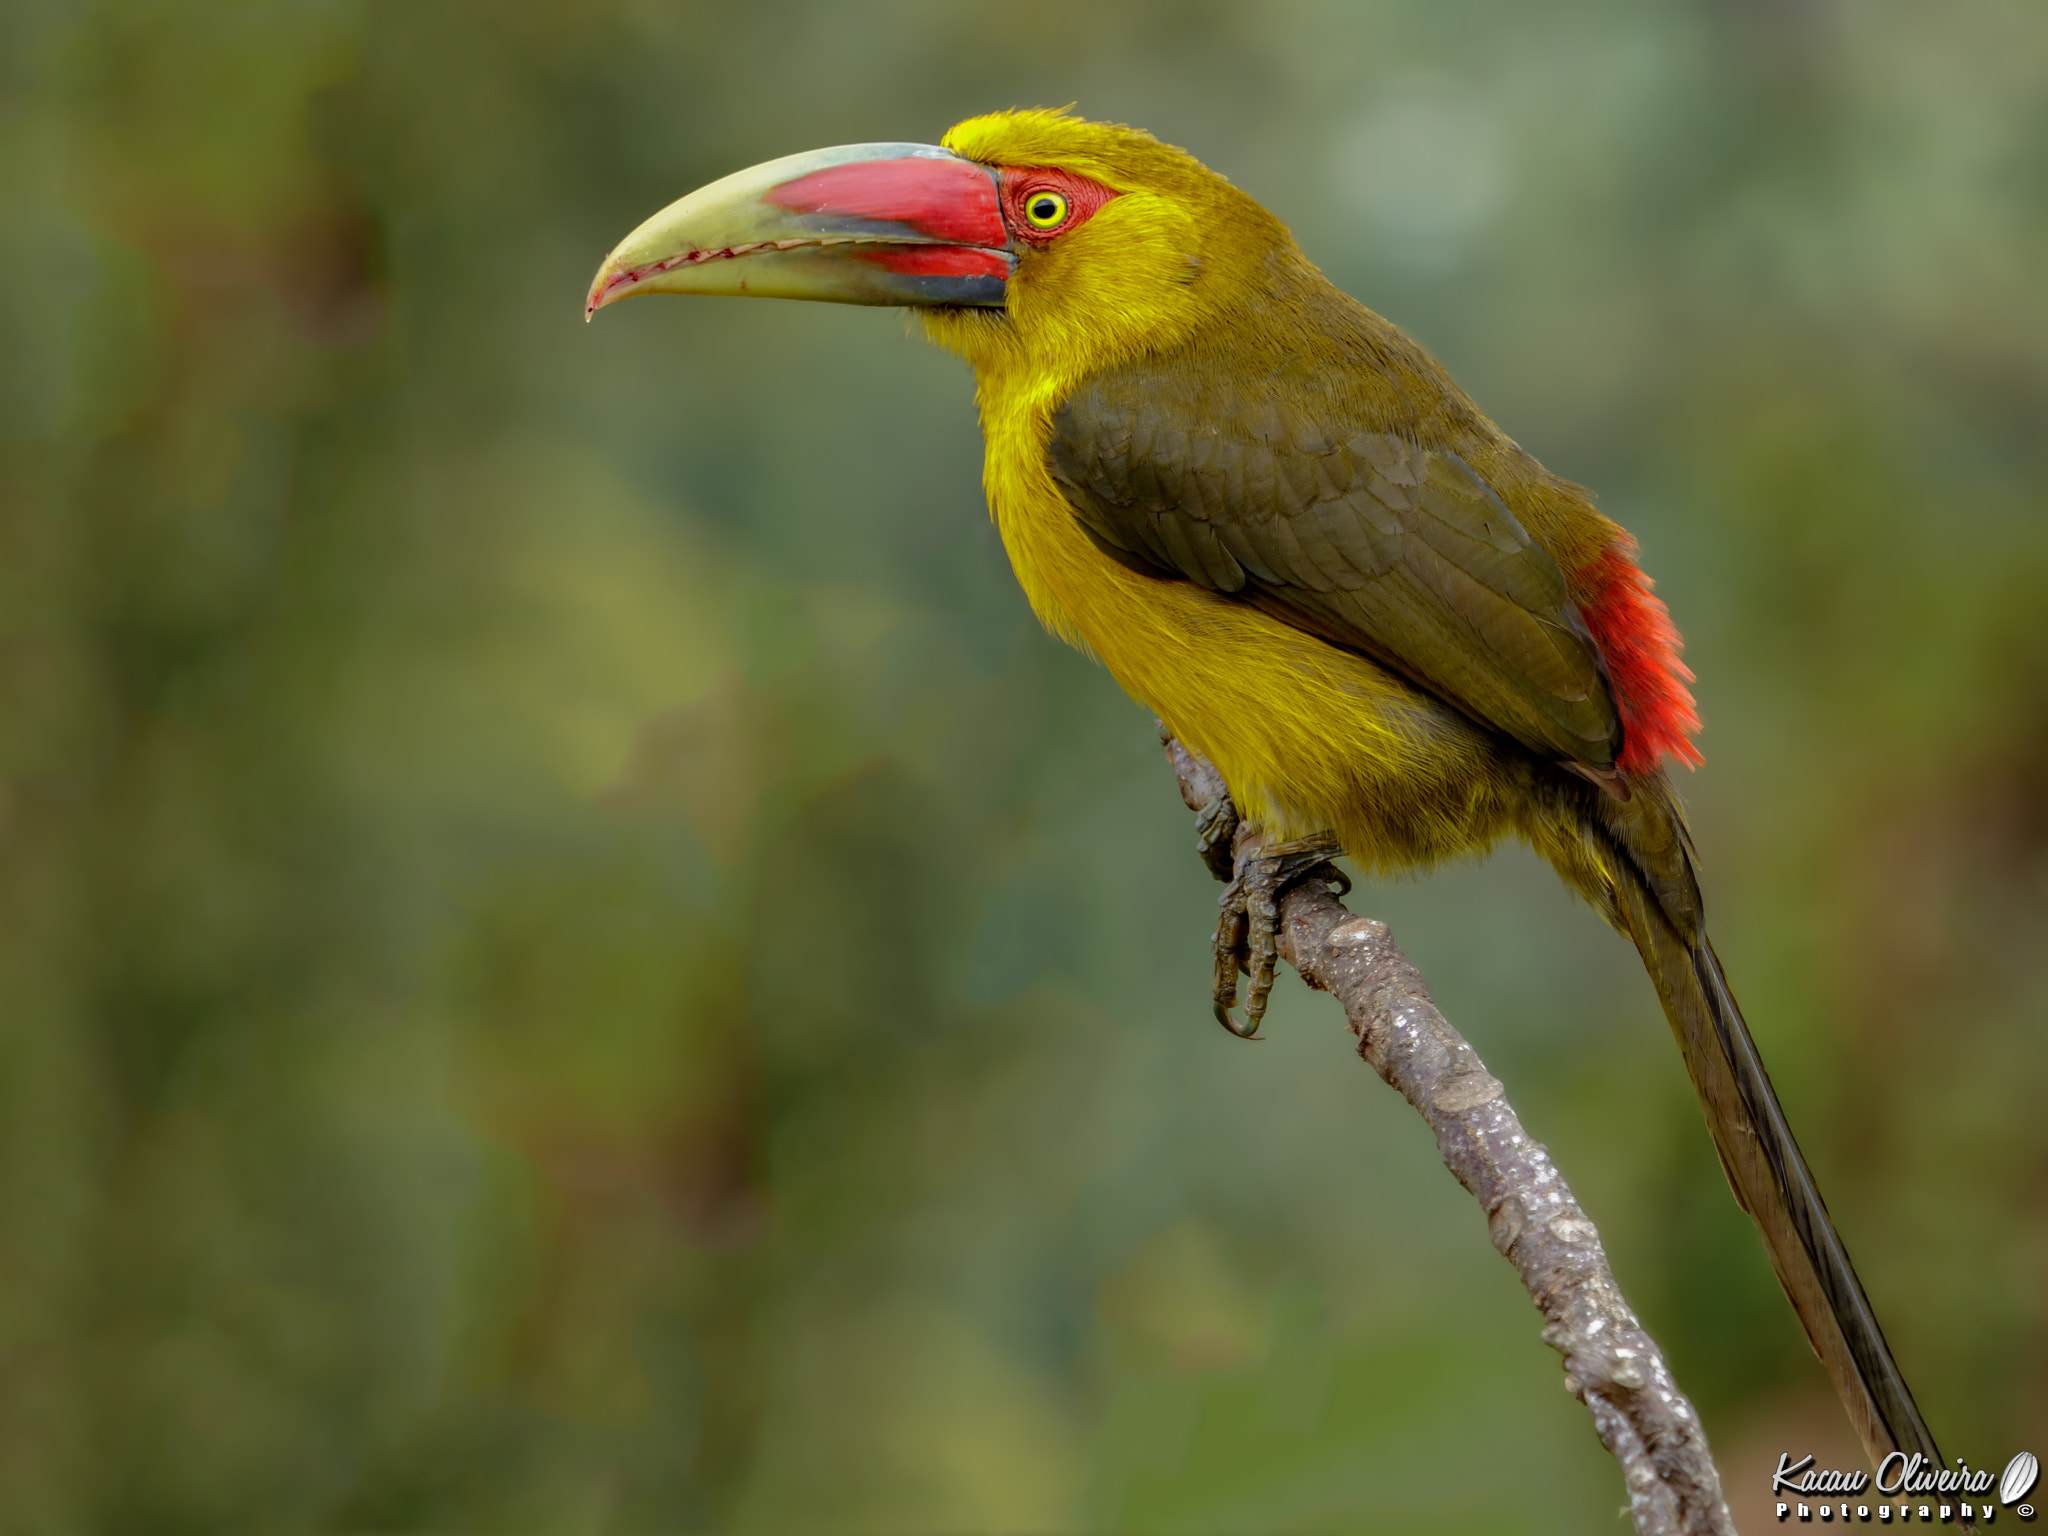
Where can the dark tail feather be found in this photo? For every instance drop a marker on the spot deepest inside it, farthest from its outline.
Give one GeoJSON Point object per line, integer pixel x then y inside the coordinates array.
{"type": "Point", "coordinates": [1773, 1183]}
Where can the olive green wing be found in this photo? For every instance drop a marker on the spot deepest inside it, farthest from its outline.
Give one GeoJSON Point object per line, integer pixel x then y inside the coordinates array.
{"type": "Point", "coordinates": [1360, 536]}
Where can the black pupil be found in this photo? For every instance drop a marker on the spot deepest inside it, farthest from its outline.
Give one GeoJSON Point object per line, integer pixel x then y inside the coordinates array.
{"type": "Point", "coordinates": [1045, 209]}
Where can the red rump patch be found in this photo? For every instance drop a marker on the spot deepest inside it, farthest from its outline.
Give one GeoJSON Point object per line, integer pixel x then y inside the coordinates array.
{"type": "Point", "coordinates": [1640, 645]}
{"type": "Point", "coordinates": [951, 200]}
{"type": "Point", "coordinates": [1084, 199]}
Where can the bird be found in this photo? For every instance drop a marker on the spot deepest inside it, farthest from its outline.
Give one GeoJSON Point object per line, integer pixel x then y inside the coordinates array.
{"type": "Point", "coordinates": [1280, 525]}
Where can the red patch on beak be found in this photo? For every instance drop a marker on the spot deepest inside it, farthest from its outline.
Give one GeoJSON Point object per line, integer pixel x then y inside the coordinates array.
{"type": "Point", "coordinates": [936, 260]}
{"type": "Point", "coordinates": [949, 200]}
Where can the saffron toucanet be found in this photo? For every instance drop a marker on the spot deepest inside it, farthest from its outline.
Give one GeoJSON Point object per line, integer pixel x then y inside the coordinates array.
{"type": "Point", "coordinates": [1280, 524]}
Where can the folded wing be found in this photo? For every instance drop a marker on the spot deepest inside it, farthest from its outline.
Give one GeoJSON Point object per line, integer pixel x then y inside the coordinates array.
{"type": "Point", "coordinates": [1360, 536]}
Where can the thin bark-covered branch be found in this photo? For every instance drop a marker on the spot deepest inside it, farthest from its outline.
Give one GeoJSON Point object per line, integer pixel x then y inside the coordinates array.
{"type": "Point", "coordinates": [1611, 1364]}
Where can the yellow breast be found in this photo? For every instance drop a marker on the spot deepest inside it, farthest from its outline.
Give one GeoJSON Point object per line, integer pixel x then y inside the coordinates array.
{"type": "Point", "coordinates": [1309, 737]}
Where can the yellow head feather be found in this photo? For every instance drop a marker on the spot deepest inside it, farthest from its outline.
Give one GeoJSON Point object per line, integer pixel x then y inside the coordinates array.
{"type": "Point", "coordinates": [1177, 248]}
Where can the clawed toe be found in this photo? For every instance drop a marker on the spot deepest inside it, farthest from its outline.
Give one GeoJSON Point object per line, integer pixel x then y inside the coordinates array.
{"type": "Point", "coordinates": [1248, 929]}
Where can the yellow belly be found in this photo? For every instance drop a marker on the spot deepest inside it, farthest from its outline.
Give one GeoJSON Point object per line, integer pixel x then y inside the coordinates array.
{"type": "Point", "coordinates": [1309, 737]}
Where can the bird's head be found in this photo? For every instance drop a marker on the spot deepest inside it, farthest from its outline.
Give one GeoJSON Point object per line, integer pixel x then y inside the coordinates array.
{"type": "Point", "coordinates": [1026, 238]}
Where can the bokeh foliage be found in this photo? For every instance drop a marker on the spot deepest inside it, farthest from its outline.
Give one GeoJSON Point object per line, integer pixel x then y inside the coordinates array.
{"type": "Point", "coordinates": [570, 960]}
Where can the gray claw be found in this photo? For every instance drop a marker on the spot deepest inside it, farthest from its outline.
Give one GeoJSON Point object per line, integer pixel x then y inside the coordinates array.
{"type": "Point", "coordinates": [1248, 930]}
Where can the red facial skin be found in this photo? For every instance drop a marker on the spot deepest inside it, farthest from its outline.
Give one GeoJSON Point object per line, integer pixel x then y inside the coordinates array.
{"type": "Point", "coordinates": [1640, 645]}
{"type": "Point", "coordinates": [947, 201]}
{"type": "Point", "coordinates": [1084, 200]}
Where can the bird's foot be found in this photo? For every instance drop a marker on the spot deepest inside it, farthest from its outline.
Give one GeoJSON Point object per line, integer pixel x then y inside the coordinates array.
{"type": "Point", "coordinates": [1248, 932]}
{"type": "Point", "coordinates": [1216, 825]}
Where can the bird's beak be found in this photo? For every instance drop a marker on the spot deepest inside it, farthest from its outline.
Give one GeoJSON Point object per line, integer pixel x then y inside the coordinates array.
{"type": "Point", "coordinates": [861, 224]}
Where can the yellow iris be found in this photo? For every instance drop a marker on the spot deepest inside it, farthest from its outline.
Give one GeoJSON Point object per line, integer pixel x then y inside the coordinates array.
{"type": "Point", "coordinates": [1045, 210]}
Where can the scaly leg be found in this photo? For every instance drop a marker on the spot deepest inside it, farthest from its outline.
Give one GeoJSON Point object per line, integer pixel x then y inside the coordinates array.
{"type": "Point", "coordinates": [1248, 932]}
{"type": "Point", "coordinates": [1217, 823]}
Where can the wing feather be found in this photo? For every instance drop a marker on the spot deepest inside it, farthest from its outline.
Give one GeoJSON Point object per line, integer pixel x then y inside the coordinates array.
{"type": "Point", "coordinates": [1370, 540]}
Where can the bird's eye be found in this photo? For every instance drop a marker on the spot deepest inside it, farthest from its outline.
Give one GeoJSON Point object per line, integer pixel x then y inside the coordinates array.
{"type": "Point", "coordinates": [1045, 210]}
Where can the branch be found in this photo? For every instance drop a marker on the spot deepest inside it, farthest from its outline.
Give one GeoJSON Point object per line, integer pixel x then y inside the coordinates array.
{"type": "Point", "coordinates": [1611, 1364]}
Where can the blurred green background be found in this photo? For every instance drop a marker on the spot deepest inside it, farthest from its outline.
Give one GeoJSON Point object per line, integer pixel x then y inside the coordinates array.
{"type": "Point", "coordinates": [571, 960]}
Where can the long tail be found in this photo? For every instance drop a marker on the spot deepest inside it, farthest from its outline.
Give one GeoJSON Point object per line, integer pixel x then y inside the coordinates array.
{"type": "Point", "coordinates": [1658, 901]}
